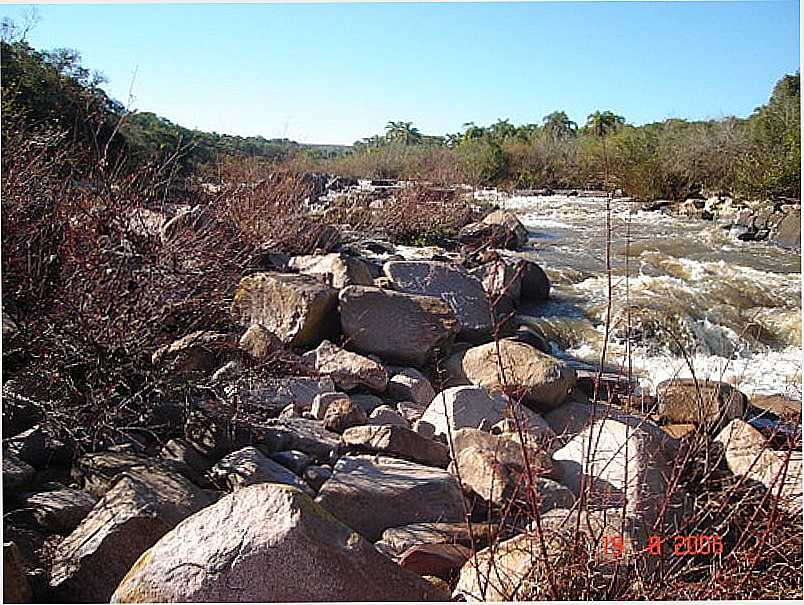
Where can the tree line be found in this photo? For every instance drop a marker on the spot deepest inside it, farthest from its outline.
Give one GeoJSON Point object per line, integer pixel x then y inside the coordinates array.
{"type": "Point", "coordinates": [755, 156]}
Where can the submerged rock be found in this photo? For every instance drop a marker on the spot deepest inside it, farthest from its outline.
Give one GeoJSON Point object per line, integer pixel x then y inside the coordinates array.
{"type": "Point", "coordinates": [267, 543]}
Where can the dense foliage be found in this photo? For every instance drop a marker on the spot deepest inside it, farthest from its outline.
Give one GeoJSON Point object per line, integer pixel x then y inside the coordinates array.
{"type": "Point", "coordinates": [758, 156]}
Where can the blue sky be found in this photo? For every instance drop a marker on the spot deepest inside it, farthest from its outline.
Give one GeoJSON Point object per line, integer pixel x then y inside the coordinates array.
{"type": "Point", "coordinates": [333, 73]}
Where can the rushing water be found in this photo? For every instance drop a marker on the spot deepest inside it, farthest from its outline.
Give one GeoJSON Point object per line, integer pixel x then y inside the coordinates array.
{"type": "Point", "coordinates": [732, 307]}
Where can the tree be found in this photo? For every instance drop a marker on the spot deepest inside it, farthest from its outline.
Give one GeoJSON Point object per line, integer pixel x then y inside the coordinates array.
{"type": "Point", "coordinates": [403, 132]}
{"type": "Point", "coordinates": [559, 126]}
{"type": "Point", "coordinates": [501, 130]}
{"type": "Point", "coordinates": [603, 123]}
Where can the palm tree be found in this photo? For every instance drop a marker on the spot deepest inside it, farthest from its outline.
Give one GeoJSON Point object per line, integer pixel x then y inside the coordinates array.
{"type": "Point", "coordinates": [501, 130]}
{"type": "Point", "coordinates": [404, 132]}
{"type": "Point", "coordinates": [603, 123]}
{"type": "Point", "coordinates": [472, 131]}
{"type": "Point", "coordinates": [559, 126]}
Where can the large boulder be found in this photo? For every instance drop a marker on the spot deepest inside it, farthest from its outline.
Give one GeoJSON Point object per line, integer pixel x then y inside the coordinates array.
{"type": "Point", "coordinates": [748, 454]}
{"type": "Point", "coordinates": [267, 543]}
{"type": "Point", "coordinates": [454, 285]}
{"type": "Point", "coordinates": [348, 370]}
{"type": "Point", "coordinates": [373, 493]}
{"type": "Point", "coordinates": [298, 309]}
{"type": "Point", "coordinates": [511, 223]}
{"type": "Point", "coordinates": [250, 466]}
{"type": "Point", "coordinates": [537, 379]}
{"type": "Point", "coordinates": [334, 269]}
{"type": "Point", "coordinates": [502, 282]}
{"type": "Point", "coordinates": [399, 442]}
{"type": "Point", "coordinates": [788, 231]}
{"type": "Point", "coordinates": [494, 467]}
{"type": "Point", "coordinates": [703, 401]}
{"type": "Point", "coordinates": [89, 564]}
{"type": "Point", "coordinates": [535, 283]}
{"type": "Point", "coordinates": [624, 463]}
{"type": "Point", "coordinates": [400, 328]}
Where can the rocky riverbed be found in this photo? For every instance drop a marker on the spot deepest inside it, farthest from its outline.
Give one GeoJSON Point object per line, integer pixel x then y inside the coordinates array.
{"type": "Point", "coordinates": [436, 422]}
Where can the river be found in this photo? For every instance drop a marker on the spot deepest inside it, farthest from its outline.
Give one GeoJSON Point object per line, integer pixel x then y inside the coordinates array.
{"type": "Point", "coordinates": [687, 295]}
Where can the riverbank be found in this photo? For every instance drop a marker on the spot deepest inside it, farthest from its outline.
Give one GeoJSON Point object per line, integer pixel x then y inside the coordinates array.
{"type": "Point", "coordinates": [413, 414]}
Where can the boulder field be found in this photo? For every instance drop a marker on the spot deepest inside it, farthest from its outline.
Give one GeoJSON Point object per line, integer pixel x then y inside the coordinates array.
{"type": "Point", "coordinates": [416, 438]}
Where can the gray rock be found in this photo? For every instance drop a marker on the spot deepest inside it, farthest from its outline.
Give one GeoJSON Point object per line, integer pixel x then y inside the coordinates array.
{"type": "Point", "coordinates": [709, 402]}
{"type": "Point", "coordinates": [60, 510]}
{"type": "Point", "coordinates": [274, 394]}
{"type": "Point", "coordinates": [510, 221]}
{"type": "Point", "coordinates": [627, 463]}
{"type": "Point", "coordinates": [316, 476]}
{"type": "Point", "coordinates": [454, 285]}
{"type": "Point", "coordinates": [348, 370]}
{"type": "Point", "coordinates": [535, 283]}
{"type": "Point", "coordinates": [260, 343]}
{"type": "Point", "coordinates": [408, 384]}
{"type": "Point", "coordinates": [399, 442]}
{"type": "Point", "coordinates": [493, 466]}
{"type": "Point", "coordinates": [308, 436]}
{"type": "Point", "coordinates": [17, 475]}
{"type": "Point", "coordinates": [201, 351]}
{"type": "Point", "coordinates": [748, 454]}
{"type": "Point", "coordinates": [374, 493]}
{"type": "Point", "coordinates": [368, 403]}
{"type": "Point", "coordinates": [268, 543]}
{"type": "Point", "coordinates": [539, 380]}
{"type": "Point", "coordinates": [343, 414]}
{"type": "Point", "coordinates": [250, 466]}
{"type": "Point", "coordinates": [385, 414]}
{"type": "Point", "coordinates": [461, 407]}
{"type": "Point", "coordinates": [298, 309]}
{"type": "Point", "coordinates": [293, 460]}
{"type": "Point", "coordinates": [137, 511]}
{"type": "Point", "coordinates": [335, 269]}
{"type": "Point", "coordinates": [322, 401]}
{"type": "Point", "coordinates": [400, 328]}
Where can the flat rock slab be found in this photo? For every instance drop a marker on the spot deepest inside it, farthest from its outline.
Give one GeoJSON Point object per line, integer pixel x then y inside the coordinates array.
{"type": "Point", "coordinates": [397, 540]}
{"type": "Point", "coordinates": [394, 440]}
{"type": "Point", "coordinates": [454, 285]}
{"type": "Point", "coordinates": [400, 328]}
{"type": "Point", "coordinates": [250, 466]}
{"type": "Point", "coordinates": [304, 435]}
{"type": "Point", "coordinates": [710, 402]}
{"type": "Point", "coordinates": [334, 269]}
{"type": "Point", "coordinates": [267, 543]}
{"type": "Point", "coordinates": [371, 494]}
{"type": "Point", "coordinates": [348, 370]}
{"type": "Point", "coordinates": [60, 510]}
{"type": "Point", "coordinates": [274, 394]}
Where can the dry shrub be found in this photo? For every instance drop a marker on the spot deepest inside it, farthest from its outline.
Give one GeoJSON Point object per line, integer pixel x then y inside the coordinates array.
{"type": "Point", "coordinates": [95, 290]}
{"type": "Point", "coordinates": [415, 215]}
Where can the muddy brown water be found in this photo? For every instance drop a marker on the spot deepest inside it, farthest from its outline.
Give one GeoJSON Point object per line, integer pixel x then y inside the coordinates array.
{"type": "Point", "coordinates": [732, 307]}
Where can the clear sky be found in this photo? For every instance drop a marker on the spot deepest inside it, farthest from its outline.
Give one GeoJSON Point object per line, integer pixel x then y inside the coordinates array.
{"type": "Point", "coordinates": [333, 73]}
